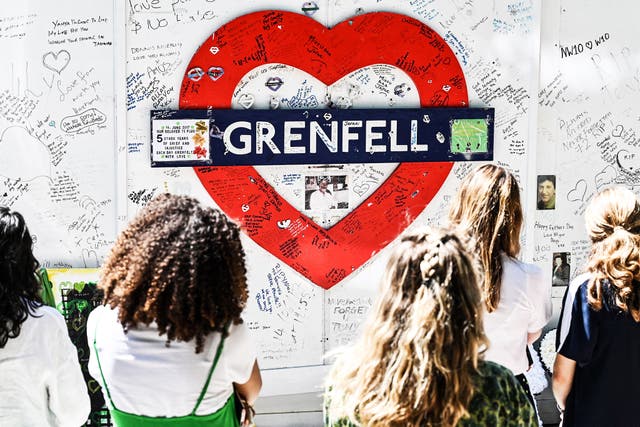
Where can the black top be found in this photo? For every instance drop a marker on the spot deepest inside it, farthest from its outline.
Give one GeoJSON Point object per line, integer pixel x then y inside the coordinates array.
{"type": "Point", "coordinates": [606, 347]}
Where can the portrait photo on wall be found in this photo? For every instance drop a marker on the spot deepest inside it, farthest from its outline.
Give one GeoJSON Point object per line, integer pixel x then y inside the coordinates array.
{"type": "Point", "coordinates": [325, 192]}
{"type": "Point", "coordinates": [546, 192]}
{"type": "Point", "coordinates": [561, 272]}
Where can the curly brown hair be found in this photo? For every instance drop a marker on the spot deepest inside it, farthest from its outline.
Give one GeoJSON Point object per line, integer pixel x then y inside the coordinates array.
{"type": "Point", "coordinates": [178, 264]}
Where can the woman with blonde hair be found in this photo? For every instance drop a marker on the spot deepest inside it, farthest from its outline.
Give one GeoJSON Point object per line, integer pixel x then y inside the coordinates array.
{"type": "Point", "coordinates": [596, 376]}
{"type": "Point", "coordinates": [169, 346]}
{"type": "Point", "coordinates": [419, 360]}
{"type": "Point", "coordinates": [517, 301]}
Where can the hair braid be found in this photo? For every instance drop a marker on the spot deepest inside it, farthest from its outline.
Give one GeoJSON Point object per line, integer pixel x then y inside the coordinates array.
{"type": "Point", "coordinates": [415, 360]}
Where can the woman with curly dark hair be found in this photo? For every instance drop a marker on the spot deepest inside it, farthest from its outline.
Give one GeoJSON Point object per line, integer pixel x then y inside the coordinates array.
{"type": "Point", "coordinates": [169, 345]}
{"type": "Point", "coordinates": [39, 368]}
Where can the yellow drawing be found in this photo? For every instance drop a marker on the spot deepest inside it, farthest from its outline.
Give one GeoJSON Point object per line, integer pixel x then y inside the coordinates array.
{"type": "Point", "coordinates": [198, 139]}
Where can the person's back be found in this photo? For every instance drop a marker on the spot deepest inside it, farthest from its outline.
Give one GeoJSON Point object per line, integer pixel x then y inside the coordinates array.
{"type": "Point", "coordinates": [498, 399]}
{"type": "Point", "coordinates": [517, 301]}
{"type": "Point", "coordinates": [40, 379]}
{"type": "Point", "coordinates": [174, 285]}
{"type": "Point", "coordinates": [522, 309]}
{"type": "Point", "coordinates": [147, 376]}
{"type": "Point", "coordinates": [606, 346]}
{"type": "Point", "coordinates": [41, 383]}
{"type": "Point", "coordinates": [419, 359]}
{"type": "Point", "coordinates": [596, 374]}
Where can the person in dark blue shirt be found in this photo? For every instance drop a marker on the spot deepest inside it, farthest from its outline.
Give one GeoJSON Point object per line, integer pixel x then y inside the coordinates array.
{"type": "Point", "coordinates": [596, 378]}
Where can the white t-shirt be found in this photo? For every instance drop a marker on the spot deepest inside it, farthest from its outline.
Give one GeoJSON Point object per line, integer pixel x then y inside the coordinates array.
{"type": "Point", "coordinates": [524, 307]}
{"type": "Point", "coordinates": [145, 377]}
{"type": "Point", "coordinates": [567, 305]}
{"type": "Point", "coordinates": [320, 201]}
{"type": "Point", "coordinates": [41, 383]}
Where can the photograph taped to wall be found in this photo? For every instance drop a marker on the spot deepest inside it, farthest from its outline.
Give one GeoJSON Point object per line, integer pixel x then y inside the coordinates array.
{"type": "Point", "coordinates": [326, 192]}
{"type": "Point", "coordinates": [561, 273]}
{"type": "Point", "coordinates": [469, 136]}
{"type": "Point", "coordinates": [326, 197]}
{"type": "Point", "coordinates": [546, 197]}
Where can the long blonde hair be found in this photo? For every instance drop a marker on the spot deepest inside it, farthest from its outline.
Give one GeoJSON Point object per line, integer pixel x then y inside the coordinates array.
{"type": "Point", "coordinates": [613, 224]}
{"type": "Point", "coordinates": [415, 361]}
{"type": "Point", "coordinates": [487, 206]}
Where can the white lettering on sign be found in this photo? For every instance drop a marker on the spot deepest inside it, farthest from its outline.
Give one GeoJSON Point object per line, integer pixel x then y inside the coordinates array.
{"type": "Point", "coordinates": [380, 136]}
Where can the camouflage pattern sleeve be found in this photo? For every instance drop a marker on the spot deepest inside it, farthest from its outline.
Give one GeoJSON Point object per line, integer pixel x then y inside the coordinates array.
{"type": "Point", "coordinates": [328, 421]}
{"type": "Point", "coordinates": [499, 400]}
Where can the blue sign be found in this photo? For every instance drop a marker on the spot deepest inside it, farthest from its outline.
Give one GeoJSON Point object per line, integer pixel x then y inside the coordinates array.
{"type": "Point", "coordinates": [282, 137]}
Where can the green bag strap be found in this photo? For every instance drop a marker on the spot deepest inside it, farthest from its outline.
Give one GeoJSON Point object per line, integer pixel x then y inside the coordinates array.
{"type": "Point", "coordinates": [46, 290]}
{"type": "Point", "coordinates": [213, 366]}
{"type": "Point", "coordinates": [206, 384]}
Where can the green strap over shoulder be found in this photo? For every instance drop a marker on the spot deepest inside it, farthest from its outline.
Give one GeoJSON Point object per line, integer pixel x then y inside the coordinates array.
{"type": "Point", "coordinates": [213, 366]}
{"type": "Point", "coordinates": [95, 349]}
{"type": "Point", "coordinates": [46, 290]}
{"type": "Point", "coordinates": [204, 388]}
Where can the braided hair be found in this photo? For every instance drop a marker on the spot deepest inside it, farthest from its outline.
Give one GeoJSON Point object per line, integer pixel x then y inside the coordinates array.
{"type": "Point", "coordinates": [415, 361]}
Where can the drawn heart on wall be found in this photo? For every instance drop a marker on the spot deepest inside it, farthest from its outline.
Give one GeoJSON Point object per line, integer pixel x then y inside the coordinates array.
{"type": "Point", "coordinates": [577, 193]}
{"type": "Point", "coordinates": [56, 62]}
{"type": "Point", "coordinates": [325, 257]}
{"type": "Point", "coordinates": [607, 176]}
{"type": "Point", "coordinates": [629, 162]}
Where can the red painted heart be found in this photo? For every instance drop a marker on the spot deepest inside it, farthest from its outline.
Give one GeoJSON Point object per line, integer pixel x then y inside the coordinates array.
{"type": "Point", "coordinates": [324, 256]}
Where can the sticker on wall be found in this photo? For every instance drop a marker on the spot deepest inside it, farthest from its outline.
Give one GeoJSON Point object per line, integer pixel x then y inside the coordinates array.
{"type": "Point", "coordinates": [327, 256]}
{"type": "Point", "coordinates": [179, 141]}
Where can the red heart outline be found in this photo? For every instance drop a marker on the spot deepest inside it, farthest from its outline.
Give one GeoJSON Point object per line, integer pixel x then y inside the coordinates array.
{"type": "Point", "coordinates": [324, 256]}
